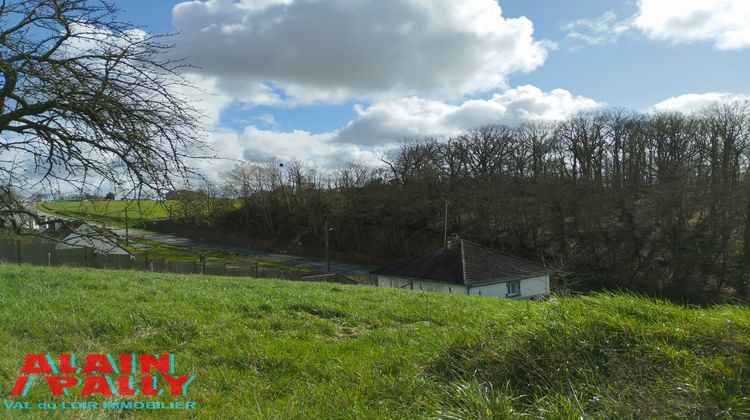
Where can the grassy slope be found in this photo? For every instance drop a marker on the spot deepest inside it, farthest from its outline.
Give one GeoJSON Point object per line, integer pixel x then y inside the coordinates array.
{"type": "Point", "coordinates": [298, 350]}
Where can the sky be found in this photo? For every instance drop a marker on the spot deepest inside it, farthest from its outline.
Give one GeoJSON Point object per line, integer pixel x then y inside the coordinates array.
{"type": "Point", "coordinates": [333, 81]}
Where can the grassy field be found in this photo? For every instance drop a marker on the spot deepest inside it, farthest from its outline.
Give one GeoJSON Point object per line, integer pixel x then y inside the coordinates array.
{"type": "Point", "coordinates": [273, 349]}
{"type": "Point", "coordinates": [178, 254]}
{"type": "Point", "coordinates": [111, 212]}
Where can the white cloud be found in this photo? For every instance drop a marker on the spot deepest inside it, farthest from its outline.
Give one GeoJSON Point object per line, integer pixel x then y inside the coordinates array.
{"type": "Point", "coordinates": [203, 95]}
{"type": "Point", "coordinates": [390, 121]}
{"type": "Point", "coordinates": [306, 51]}
{"type": "Point", "coordinates": [267, 119]}
{"type": "Point", "coordinates": [411, 61]}
{"type": "Point", "coordinates": [88, 38]}
{"type": "Point", "coordinates": [603, 30]}
{"type": "Point", "coordinates": [724, 22]}
{"type": "Point", "coordinates": [386, 123]}
{"type": "Point", "coordinates": [695, 102]}
{"type": "Point", "coordinates": [265, 145]}
{"type": "Point", "coordinates": [202, 92]}
{"type": "Point", "coordinates": [227, 146]}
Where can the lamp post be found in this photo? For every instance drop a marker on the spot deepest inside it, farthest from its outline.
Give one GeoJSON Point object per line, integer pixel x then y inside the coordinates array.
{"type": "Point", "coordinates": [127, 240]}
{"type": "Point", "coordinates": [445, 225]}
{"type": "Point", "coordinates": [327, 228]}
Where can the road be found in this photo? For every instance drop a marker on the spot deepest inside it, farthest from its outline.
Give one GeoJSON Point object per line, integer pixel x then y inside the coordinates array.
{"type": "Point", "coordinates": [348, 269]}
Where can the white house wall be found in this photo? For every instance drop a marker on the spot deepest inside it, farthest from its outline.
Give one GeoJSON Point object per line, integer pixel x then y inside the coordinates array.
{"type": "Point", "coordinates": [534, 286]}
{"type": "Point", "coordinates": [426, 286]}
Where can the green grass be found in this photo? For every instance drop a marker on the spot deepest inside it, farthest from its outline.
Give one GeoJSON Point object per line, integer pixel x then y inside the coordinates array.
{"type": "Point", "coordinates": [178, 254]}
{"type": "Point", "coordinates": [274, 349]}
{"type": "Point", "coordinates": [111, 212]}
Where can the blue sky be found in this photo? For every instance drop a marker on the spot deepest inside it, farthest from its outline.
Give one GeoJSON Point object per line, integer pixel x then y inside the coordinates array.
{"type": "Point", "coordinates": [330, 81]}
{"type": "Point", "coordinates": [634, 72]}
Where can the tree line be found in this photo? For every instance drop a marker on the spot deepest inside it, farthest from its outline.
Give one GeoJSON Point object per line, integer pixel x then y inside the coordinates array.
{"type": "Point", "coordinates": [656, 202]}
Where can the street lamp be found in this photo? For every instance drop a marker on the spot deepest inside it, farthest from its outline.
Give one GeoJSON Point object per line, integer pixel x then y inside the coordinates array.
{"type": "Point", "coordinates": [445, 225]}
{"type": "Point", "coordinates": [127, 231]}
{"type": "Point", "coordinates": [327, 228]}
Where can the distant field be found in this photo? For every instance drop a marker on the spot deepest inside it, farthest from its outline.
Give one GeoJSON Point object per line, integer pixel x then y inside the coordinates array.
{"type": "Point", "coordinates": [177, 254]}
{"type": "Point", "coordinates": [112, 212]}
{"type": "Point", "coordinates": [274, 349]}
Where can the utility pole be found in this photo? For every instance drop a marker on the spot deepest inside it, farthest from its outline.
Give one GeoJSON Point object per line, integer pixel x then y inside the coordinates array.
{"type": "Point", "coordinates": [445, 226]}
{"type": "Point", "coordinates": [328, 261]}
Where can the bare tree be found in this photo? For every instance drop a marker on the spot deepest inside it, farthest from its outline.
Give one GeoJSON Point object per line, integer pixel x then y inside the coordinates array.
{"type": "Point", "coordinates": [84, 97]}
{"type": "Point", "coordinates": [414, 159]}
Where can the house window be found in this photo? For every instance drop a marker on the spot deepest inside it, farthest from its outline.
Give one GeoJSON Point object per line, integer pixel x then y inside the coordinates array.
{"type": "Point", "coordinates": [514, 288]}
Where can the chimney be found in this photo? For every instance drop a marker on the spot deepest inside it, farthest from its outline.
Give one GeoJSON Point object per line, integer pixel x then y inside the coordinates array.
{"type": "Point", "coordinates": [453, 241]}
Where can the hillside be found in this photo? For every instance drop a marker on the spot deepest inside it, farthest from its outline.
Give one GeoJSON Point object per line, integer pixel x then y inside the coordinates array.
{"type": "Point", "coordinates": [299, 350]}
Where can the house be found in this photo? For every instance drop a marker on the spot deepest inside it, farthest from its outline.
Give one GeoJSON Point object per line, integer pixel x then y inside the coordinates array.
{"type": "Point", "coordinates": [22, 222]}
{"type": "Point", "coordinates": [467, 268]}
{"type": "Point", "coordinates": [88, 236]}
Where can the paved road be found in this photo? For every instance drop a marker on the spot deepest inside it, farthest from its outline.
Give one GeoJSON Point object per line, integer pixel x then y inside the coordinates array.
{"type": "Point", "coordinates": [305, 262]}
{"type": "Point", "coordinates": [286, 259]}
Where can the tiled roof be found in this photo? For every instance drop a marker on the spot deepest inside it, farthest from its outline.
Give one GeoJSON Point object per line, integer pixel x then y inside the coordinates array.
{"type": "Point", "coordinates": [465, 263]}
{"type": "Point", "coordinates": [442, 265]}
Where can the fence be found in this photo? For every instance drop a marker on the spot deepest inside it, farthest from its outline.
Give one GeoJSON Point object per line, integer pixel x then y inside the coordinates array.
{"type": "Point", "coordinates": [47, 254]}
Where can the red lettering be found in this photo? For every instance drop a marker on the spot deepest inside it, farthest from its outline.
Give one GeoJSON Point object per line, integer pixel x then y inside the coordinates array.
{"type": "Point", "coordinates": [96, 385]}
{"type": "Point", "coordinates": [124, 387]}
{"type": "Point", "coordinates": [67, 364]}
{"type": "Point", "coordinates": [162, 363]}
{"type": "Point", "coordinates": [20, 386]}
{"type": "Point", "coordinates": [126, 363]}
{"type": "Point", "coordinates": [97, 363]}
{"type": "Point", "coordinates": [60, 384]}
{"type": "Point", "coordinates": [176, 384]}
{"type": "Point", "coordinates": [37, 364]}
{"type": "Point", "coordinates": [149, 387]}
